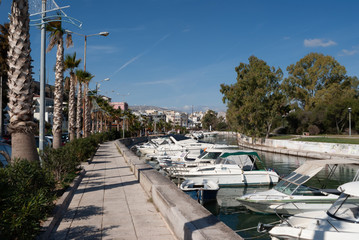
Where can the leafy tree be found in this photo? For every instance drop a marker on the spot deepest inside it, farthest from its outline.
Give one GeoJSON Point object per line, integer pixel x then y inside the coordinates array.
{"type": "Point", "coordinates": [209, 120]}
{"type": "Point", "coordinates": [256, 99]}
{"type": "Point", "coordinates": [311, 74]}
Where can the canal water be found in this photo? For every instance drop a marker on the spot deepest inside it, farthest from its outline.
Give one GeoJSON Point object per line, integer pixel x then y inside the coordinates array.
{"type": "Point", "coordinates": [243, 221]}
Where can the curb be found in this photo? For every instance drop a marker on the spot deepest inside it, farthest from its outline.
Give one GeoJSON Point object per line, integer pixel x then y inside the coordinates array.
{"type": "Point", "coordinates": [60, 208]}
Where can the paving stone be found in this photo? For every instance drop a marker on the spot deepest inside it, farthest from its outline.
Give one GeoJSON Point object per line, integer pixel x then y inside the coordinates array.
{"type": "Point", "coordinates": [111, 204]}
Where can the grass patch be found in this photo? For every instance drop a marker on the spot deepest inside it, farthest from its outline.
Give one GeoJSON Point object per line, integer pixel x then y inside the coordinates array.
{"type": "Point", "coordinates": [329, 140]}
{"type": "Point", "coordinates": [283, 137]}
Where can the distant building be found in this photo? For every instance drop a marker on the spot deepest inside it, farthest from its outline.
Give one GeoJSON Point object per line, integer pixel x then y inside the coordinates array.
{"type": "Point", "coordinates": [122, 105]}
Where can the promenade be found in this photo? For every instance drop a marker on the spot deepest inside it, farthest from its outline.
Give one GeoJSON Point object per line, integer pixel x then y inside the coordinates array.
{"type": "Point", "coordinates": [111, 204]}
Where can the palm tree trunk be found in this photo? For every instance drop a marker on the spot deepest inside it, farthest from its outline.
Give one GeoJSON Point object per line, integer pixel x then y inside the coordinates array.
{"type": "Point", "coordinates": [78, 117]}
{"type": "Point", "coordinates": [87, 118]}
{"type": "Point", "coordinates": [21, 124]}
{"type": "Point", "coordinates": [72, 107]}
{"type": "Point", "coordinates": [59, 78]}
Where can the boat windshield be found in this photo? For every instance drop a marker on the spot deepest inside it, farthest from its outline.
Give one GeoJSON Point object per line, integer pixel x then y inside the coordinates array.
{"type": "Point", "coordinates": [292, 185]}
{"type": "Point", "coordinates": [345, 208]}
{"type": "Point", "coordinates": [209, 155]}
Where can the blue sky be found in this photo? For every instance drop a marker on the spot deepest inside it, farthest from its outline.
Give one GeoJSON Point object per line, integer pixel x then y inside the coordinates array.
{"type": "Point", "coordinates": [176, 53]}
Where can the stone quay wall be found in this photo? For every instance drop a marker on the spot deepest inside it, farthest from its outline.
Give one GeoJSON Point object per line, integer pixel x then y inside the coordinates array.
{"type": "Point", "coordinates": [186, 217]}
{"type": "Point", "coordinates": [316, 150]}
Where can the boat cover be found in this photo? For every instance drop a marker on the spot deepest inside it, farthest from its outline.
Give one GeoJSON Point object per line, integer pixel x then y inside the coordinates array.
{"type": "Point", "coordinates": [350, 188]}
{"type": "Point", "coordinates": [310, 168]}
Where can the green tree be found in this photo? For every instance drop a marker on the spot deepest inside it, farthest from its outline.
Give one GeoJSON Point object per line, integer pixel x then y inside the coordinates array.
{"type": "Point", "coordinates": [21, 126]}
{"type": "Point", "coordinates": [256, 99]}
{"type": "Point", "coordinates": [209, 120]}
{"type": "Point", "coordinates": [311, 74]}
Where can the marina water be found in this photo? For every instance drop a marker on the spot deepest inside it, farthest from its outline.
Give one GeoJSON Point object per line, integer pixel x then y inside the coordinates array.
{"type": "Point", "coordinates": [243, 221]}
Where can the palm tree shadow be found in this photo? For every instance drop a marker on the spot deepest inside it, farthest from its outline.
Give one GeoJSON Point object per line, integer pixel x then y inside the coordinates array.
{"type": "Point", "coordinates": [82, 232]}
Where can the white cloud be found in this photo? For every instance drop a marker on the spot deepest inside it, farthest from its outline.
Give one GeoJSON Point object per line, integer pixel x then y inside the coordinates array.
{"type": "Point", "coordinates": [316, 42]}
{"type": "Point", "coordinates": [346, 52]}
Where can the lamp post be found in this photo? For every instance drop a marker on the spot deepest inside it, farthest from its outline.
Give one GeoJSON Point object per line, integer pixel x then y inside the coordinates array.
{"type": "Point", "coordinates": [350, 122]}
{"type": "Point", "coordinates": [105, 34]}
{"type": "Point", "coordinates": [98, 85]}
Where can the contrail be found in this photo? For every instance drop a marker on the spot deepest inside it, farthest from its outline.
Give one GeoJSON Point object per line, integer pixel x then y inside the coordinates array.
{"type": "Point", "coordinates": [140, 55]}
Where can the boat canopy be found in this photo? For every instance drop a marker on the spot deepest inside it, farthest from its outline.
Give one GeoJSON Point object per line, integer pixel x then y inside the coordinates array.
{"type": "Point", "coordinates": [351, 188]}
{"type": "Point", "coordinates": [310, 168]}
{"type": "Point", "coordinates": [247, 160]}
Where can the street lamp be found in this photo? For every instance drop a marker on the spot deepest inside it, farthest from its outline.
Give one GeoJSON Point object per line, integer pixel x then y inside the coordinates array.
{"type": "Point", "coordinates": [350, 122]}
{"type": "Point", "coordinates": [98, 85]}
{"type": "Point", "coordinates": [105, 34]}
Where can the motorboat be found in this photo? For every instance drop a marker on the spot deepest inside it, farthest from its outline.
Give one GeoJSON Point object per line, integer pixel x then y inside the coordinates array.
{"type": "Point", "coordinates": [234, 168]}
{"type": "Point", "coordinates": [340, 221]}
{"type": "Point", "coordinates": [184, 163]}
{"type": "Point", "coordinates": [204, 191]}
{"type": "Point", "coordinates": [174, 147]}
{"type": "Point", "coordinates": [290, 196]}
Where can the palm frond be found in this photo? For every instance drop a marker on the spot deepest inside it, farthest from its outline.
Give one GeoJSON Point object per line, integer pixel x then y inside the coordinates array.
{"type": "Point", "coordinates": [69, 42]}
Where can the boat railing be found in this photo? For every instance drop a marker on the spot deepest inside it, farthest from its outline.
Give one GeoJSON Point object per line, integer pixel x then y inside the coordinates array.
{"type": "Point", "coordinates": [282, 217]}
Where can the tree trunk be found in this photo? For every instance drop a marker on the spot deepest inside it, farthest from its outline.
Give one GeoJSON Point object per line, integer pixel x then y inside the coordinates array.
{"type": "Point", "coordinates": [78, 113]}
{"type": "Point", "coordinates": [23, 146]}
{"type": "Point", "coordinates": [87, 119]}
{"type": "Point", "coordinates": [21, 125]}
{"type": "Point", "coordinates": [72, 107]}
{"type": "Point", "coordinates": [59, 78]}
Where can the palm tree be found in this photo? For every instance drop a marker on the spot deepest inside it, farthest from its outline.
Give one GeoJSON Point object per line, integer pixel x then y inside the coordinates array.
{"type": "Point", "coordinates": [71, 63]}
{"type": "Point", "coordinates": [21, 124]}
{"type": "Point", "coordinates": [80, 75]}
{"type": "Point", "coordinates": [87, 124]}
{"type": "Point", "coordinates": [56, 33]}
{"type": "Point", "coordinates": [83, 77]}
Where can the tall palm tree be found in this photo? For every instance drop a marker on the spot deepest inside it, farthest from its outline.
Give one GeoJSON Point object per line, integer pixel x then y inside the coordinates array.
{"type": "Point", "coordinates": [87, 124]}
{"type": "Point", "coordinates": [83, 78]}
{"type": "Point", "coordinates": [56, 33]}
{"type": "Point", "coordinates": [70, 64]}
{"type": "Point", "coordinates": [21, 124]}
{"type": "Point", "coordinates": [80, 75]}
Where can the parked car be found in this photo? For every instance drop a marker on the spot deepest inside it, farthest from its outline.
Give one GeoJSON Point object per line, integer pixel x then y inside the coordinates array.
{"type": "Point", "coordinates": [5, 154]}
{"type": "Point", "coordinates": [47, 142]}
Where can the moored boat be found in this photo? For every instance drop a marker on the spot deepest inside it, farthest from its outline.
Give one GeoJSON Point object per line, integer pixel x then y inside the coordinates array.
{"type": "Point", "coordinates": [290, 196]}
{"type": "Point", "coordinates": [205, 191]}
{"type": "Point", "coordinates": [234, 168]}
{"type": "Point", "coordinates": [340, 221]}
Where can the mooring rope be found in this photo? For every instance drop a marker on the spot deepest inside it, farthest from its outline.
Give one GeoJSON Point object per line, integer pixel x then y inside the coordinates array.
{"type": "Point", "coordinates": [246, 229]}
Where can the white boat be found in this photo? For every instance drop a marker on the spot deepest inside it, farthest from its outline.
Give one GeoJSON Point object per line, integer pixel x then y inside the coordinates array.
{"type": "Point", "coordinates": [234, 168]}
{"type": "Point", "coordinates": [291, 189]}
{"type": "Point", "coordinates": [174, 147]}
{"type": "Point", "coordinates": [205, 191]}
{"type": "Point", "coordinates": [175, 164]}
{"type": "Point", "coordinates": [340, 221]}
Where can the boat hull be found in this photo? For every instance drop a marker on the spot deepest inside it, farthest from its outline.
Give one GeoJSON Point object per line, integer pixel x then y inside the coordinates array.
{"type": "Point", "coordinates": [250, 178]}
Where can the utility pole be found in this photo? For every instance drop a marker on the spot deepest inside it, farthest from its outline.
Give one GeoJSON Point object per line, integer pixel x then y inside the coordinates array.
{"type": "Point", "coordinates": [42, 78]}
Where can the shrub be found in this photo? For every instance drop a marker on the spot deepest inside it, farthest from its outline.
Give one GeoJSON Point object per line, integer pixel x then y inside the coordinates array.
{"type": "Point", "coordinates": [26, 196]}
{"type": "Point", "coordinates": [313, 130]}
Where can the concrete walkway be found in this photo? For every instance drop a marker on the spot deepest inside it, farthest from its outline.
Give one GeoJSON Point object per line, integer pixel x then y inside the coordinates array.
{"type": "Point", "coordinates": [111, 204]}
